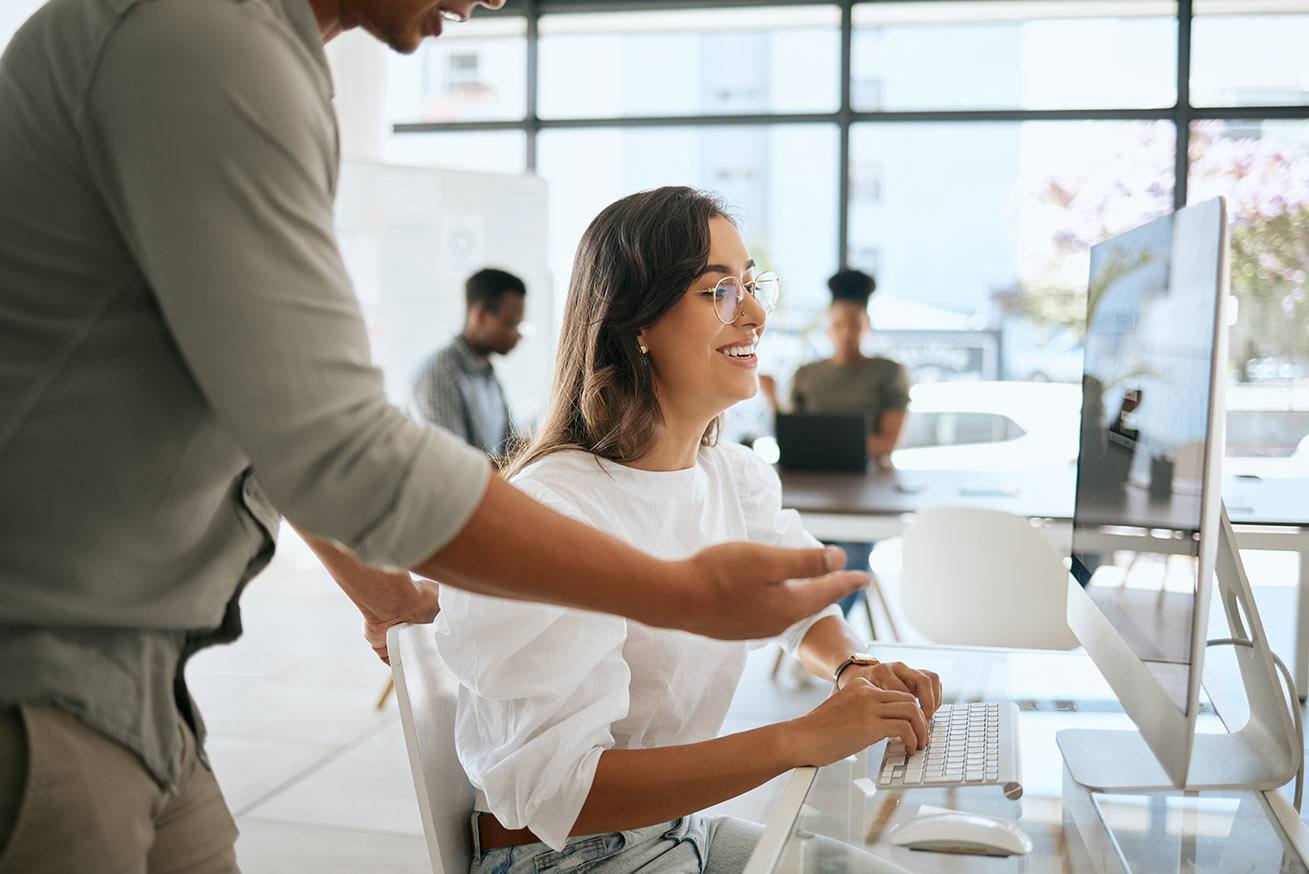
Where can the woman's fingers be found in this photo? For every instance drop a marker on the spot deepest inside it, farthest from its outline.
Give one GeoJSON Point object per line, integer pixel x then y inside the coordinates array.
{"type": "Point", "coordinates": [890, 704]}
{"type": "Point", "coordinates": [911, 713]}
{"type": "Point", "coordinates": [898, 728]}
{"type": "Point", "coordinates": [922, 685]}
{"type": "Point", "coordinates": [925, 685]}
{"type": "Point", "coordinates": [887, 678]}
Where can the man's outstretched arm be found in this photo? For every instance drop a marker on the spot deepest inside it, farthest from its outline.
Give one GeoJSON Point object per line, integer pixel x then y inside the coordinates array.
{"type": "Point", "coordinates": [515, 547]}
{"type": "Point", "coordinates": [255, 294]}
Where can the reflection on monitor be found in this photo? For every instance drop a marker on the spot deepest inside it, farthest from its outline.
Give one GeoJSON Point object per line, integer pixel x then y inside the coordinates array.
{"type": "Point", "coordinates": [1147, 394]}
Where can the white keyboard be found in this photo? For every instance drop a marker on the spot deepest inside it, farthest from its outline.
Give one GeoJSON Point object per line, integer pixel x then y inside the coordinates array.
{"type": "Point", "coordinates": [974, 744]}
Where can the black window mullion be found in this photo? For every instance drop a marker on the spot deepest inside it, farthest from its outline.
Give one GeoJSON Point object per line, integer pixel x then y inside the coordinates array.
{"type": "Point", "coordinates": [845, 119]}
{"type": "Point", "coordinates": [1182, 115]}
{"type": "Point", "coordinates": [532, 116]}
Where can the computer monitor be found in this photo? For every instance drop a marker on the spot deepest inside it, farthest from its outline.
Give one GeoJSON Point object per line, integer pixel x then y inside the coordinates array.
{"type": "Point", "coordinates": [1148, 520]}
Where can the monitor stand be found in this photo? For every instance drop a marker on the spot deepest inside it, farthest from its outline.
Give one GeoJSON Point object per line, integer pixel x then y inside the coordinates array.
{"type": "Point", "coordinates": [1262, 754]}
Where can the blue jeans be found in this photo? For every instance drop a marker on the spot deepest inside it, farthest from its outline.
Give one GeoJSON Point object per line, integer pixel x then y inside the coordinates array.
{"type": "Point", "coordinates": [695, 844]}
{"type": "Point", "coordinates": [856, 559]}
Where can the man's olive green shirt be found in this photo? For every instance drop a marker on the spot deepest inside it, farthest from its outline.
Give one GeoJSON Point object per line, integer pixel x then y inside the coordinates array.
{"type": "Point", "coordinates": [182, 358]}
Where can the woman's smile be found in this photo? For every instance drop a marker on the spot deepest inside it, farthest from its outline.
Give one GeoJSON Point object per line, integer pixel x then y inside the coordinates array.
{"type": "Point", "coordinates": [741, 353]}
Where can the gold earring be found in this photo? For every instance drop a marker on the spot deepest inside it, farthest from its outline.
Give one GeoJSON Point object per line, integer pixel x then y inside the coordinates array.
{"type": "Point", "coordinates": [644, 350]}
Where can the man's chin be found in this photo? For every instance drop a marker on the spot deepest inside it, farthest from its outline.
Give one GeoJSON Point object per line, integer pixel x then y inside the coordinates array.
{"type": "Point", "coordinates": [403, 40]}
{"type": "Point", "coordinates": [406, 44]}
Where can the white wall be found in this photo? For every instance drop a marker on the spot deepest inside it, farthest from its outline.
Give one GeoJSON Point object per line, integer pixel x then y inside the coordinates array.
{"type": "Point", "coordinates": [412, 235]}
{"type": "Point", "coordinates": [359, 72]}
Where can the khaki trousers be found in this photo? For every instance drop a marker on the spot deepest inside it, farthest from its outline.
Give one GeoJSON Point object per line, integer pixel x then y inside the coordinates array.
{"type": "Point", "coordinates": [73, 801]}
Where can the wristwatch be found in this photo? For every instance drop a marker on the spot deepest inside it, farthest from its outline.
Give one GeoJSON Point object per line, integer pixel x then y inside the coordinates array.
{"type": "Point", "coordinates": [860, 658]}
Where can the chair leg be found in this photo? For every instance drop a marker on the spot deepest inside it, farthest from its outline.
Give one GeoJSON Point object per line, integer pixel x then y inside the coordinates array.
{"type": "Point", "coordinates": [386, 693]}
{"type": "Point", "coordinates": [868, 609]}
{"type": "Point", "coordinates": [875, 590]}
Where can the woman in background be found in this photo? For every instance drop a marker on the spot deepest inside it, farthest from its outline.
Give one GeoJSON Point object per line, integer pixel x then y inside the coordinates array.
{"type": "Point", "coordinates": [592, 741]}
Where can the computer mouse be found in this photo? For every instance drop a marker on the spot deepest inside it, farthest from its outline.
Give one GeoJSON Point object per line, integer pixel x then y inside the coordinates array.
{"type": "Point", "coordinates": [961, 833]}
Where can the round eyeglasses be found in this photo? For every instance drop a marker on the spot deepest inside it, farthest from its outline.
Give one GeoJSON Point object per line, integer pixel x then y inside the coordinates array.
{"type": "Point", "coordinates": [730, 293]}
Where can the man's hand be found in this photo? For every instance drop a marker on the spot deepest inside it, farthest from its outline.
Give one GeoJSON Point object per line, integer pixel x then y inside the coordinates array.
{"type": "Point", "coordinates": [385, 598]}
{"type": "Point", "coordinates": [422, 610]}
{"type": "Point", "coordinates": [899, 677]}
{"type": "Point", "coordinates": [742, 591]}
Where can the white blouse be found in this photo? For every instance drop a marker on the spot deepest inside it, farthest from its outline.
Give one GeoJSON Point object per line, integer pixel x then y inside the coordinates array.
{"type": "Point", "coordinates": [545, 690]}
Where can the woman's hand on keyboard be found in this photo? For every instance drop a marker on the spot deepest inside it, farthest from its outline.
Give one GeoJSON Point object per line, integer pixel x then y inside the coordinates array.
{"type": "Point", "coordinates": [855, 716]}
{"type": "Point", "coordinates": [899, 677]}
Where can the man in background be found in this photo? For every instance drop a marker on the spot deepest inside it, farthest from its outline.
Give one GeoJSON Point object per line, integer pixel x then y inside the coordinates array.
{"type": "Point", "coordinates": [851, 382]}
{"type": "Point", "coordinates": [457, 388]}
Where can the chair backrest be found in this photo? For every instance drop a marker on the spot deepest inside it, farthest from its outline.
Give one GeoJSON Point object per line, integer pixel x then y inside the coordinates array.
{"type": "Point", "coordinates": [426, 692]}
{"type": "Point", "coordinates": [975, 577]}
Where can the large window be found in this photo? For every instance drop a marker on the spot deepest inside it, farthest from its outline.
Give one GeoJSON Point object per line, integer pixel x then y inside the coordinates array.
{"type": "Point", "coordinates": [1000, 257]}
{"type": "Point", "coordinates": [476, 71]}
{"type": "Point", "coordinates": [694, 62]}
{"type": "Point", "coordinates": [1250, 53]}
{"type": "Point", "coordinates": [1056, 54]}
{"type": "Point", "coordinates": [973, 153]}
{"type": "Point", "coordinates": [787, 219]}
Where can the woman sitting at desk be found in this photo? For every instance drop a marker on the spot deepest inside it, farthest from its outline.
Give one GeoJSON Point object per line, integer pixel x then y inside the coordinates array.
{"type": "Point", "coordinates": [849, 381]}
{"type": "Point", "coordinates": [573, 723]}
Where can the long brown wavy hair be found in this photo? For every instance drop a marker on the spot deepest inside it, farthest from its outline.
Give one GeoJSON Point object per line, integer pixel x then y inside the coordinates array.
{"type": "Point", "coordinates": [633, 264]}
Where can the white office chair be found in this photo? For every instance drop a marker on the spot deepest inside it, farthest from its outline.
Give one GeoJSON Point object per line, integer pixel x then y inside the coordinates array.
{"type": "Point", "coordinates": [983, 578]}
{"type": "Point", "coordinates": [426, 693]}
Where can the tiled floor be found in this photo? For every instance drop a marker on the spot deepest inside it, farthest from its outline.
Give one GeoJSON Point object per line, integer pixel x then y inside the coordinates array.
{"type": "Point", "coordinates": [318, 778]}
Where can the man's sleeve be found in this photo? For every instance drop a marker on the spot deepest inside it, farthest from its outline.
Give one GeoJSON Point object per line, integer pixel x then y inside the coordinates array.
{"type": "Point", "coordinates": [212, 142]}
{"type": "Point", "coordinates": [896, 394]}
{"type": "Point", "coordinates": [799, 403]}
{"type": "Point", "coordinates": [437, 399]}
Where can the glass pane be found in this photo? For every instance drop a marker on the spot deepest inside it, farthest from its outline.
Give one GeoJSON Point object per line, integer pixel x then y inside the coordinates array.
{"type": "Point", "coordinates": [1250, 53]}
{"type": "Point", "coordinates": [788, 219]}
{"type": "Point", "coordinates": [1068, 54]}
{"type": "Point", "coordinates": [475, 71]}
{"type": "Point", "coordinates": [1262, 167]}
{"type": "Point", "coordinates": [979, 229]}
{"type": "Point", "coordinates": [690, 62]}
{"type": "Point", "coordinates": [981, 428]}
{"type": "Point", "coordinates": [485, 151]}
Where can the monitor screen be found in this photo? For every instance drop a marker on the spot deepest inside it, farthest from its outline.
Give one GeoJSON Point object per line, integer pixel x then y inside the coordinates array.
{"type": "Point", "coordinates": [1145, 431]}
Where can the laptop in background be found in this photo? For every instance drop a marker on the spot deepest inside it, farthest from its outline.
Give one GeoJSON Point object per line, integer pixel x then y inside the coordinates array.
{"type": "Point", "coordinates": [823, 441]}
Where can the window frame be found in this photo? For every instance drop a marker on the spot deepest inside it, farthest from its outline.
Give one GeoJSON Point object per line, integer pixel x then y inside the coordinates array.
{"type": "Point", "coordinates": [1181, 115]}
